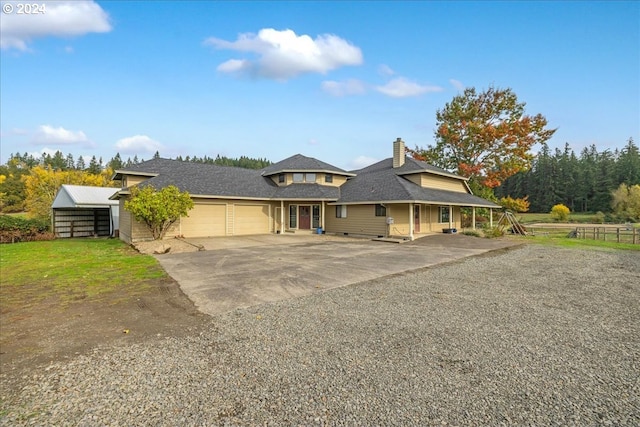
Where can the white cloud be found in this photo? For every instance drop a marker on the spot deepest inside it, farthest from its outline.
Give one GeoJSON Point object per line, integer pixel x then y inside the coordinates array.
{"type": "Point", "coordinates": [59, 19]}
{"type": "Point", "coordinates": [138, 144]}
{"type": "Point", "coordinates": [283, 54]}
{"type": "Point", "coordinates": [361, 162]}
{"type": "Point", "coordinates": [50, 135]}
{"type": "Point", "coordinates": [401, 87]}
{"type": "Point", "coordinates": [457, 84]}
{"type": "Point", "coordinates": [44, 151]}
{"type": "Point", "coordinates": [347, 87]}
{"type": "Point", "coordinates": [385, 70]}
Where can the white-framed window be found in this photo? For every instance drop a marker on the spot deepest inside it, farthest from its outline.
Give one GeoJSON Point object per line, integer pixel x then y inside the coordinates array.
{"type": "Point", "coordinates": [328, 178]}
{"type": "Point", "coordinates": [281, 178]}
{"type": "Point", "coordinates": [341, 211]}
{"type": "Point", "coordinates": [310, 177]}
{"type": "Point", "coordinates": [381, 210]}
{"type": "Point", "coordinates": [298, 177]}
{"type": "Point", "coordinates": [443, 214]}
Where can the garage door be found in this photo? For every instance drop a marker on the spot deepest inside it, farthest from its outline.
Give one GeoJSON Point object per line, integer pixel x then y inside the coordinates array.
{"type": "Point", "coordinates": [205, 221]}
{"type": "Point", "coordinates": [251, 219]}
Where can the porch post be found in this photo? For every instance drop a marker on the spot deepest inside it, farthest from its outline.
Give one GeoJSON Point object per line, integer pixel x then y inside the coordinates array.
{"type": "Point", "coordinates": [322, 216]}
{"type": "Point", "coordinates": [411, 221]}
{"type": "Point", "coordinates": [473, 217]}
{"type": "Point", "coordinates": [450, 216]}
{"type": "Point", "coordinates": [281, 216]}
{"type": "Point", "coordinates": [491, 217]}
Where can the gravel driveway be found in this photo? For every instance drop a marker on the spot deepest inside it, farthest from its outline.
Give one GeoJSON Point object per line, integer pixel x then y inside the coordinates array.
{"type": "Point", "coordinates": [534, 336]}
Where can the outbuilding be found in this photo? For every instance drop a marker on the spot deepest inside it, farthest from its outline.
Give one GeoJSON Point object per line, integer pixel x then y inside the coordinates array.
{"type": "Point", "coordinates": [83, 211]}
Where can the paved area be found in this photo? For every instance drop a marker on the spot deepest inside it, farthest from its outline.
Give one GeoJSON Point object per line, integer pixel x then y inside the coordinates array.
{"type": "Point", "coordinates": [241, 272]}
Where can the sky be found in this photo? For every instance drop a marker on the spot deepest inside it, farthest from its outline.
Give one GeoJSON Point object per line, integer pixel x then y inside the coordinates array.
{"type": "Point", "coordinates": [338, 81]}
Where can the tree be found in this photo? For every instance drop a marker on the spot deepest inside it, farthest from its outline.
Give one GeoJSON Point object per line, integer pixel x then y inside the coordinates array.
{"type": "Point", "coordinates": [516, 205]}
{"type": "Point", "coordinates": [486, 136]}
{"type": "Point", "coordinates": [626, 202]}
{"type": "Point", "coordinates": [158, 209]}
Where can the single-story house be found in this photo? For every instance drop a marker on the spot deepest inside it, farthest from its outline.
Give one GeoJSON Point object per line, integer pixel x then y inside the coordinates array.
{"type": "Point", "coordinates": [84, 211]}
{"type": "Point", "coordinates": [397, 197]}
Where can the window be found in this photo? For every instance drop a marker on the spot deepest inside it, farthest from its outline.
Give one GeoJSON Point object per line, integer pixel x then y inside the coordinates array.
{"type": "Point", "coordinates": [310, 177]}
{"type": "Point", "coordinates": [293, 216]}
{"type": "Point", "coordinates": [443, 214]}
{"type": "Point", "coordinates": [316, 216]}
{"type": "Point", "coordinates": [298, 177]}
{"type": "Point", "coordinates": [381, 210]}
{"type": "Point", "coordinates": [281, 178]}
{"type": "Point", "coordinates": [328, 178]}
{"type": "Point", "coordinates": [341, 211]}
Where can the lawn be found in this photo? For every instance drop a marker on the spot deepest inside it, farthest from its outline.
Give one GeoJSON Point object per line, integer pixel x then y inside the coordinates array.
{"type": "Point", "coordinates": [72, 269]}
{"type": "Point", "coordinates": [529, 218]}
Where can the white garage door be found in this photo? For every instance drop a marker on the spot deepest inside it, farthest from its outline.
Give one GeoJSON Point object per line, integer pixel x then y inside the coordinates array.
{"type": "Point", "coordinates": [251, 219]}
{"type": "Point", "coordinates": [205, 221]}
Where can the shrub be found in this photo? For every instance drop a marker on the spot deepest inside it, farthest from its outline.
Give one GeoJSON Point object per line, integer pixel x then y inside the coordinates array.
{"type": "Point", "coordinates": [493, 232]}
{"type": "Point", "coordinates": [474, 233]}
{"type": "Point", "coordinates": [598, 218]}
{"type": "Point", "coordinates": [560, 212]}
{"type": "Point", "coordinates": [18, 229]}
{"type": "Point", "coordinates": [515, 205]}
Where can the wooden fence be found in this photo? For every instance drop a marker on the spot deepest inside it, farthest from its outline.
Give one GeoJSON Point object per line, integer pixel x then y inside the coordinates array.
{"type": "Point", "coordinates": [620, 234]}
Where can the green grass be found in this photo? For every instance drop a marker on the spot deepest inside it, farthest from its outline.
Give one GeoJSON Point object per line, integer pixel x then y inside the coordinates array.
{"type": "Point", "coordinates": [565, 242]}
{"type": "Point", "coordinates": [72, 269]}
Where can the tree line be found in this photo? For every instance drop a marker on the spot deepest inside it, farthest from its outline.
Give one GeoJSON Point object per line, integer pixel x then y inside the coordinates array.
{"type": "Point", "coordinates": [584, 182]}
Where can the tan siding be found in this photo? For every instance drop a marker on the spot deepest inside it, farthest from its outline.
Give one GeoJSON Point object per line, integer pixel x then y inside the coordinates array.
{"type": "Point", "coordinates": [360, 219]}
{"type": "Point", "coordinates": [401, 217]}
{"type": "Point", "coordinates": [415, 178]}
{"type": "Point", "coordinates": [133, 179]}
{"type": "Point", "coordinates": [125, 223]}
{"type": "Point", "coordinates": [442, 183]}
{"type": "Point", "coordinates": [338, 180]}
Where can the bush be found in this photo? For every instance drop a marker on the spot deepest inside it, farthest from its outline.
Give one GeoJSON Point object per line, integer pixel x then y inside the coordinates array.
{"type": "Point", "coordinates": [493, 232]}
{"type": "Point", "coordinates": [18, 229]}
{"type": "Point", "coordinates": [598, 218]}
{"type": "Point", "coordinates": [474, 233]}
{"type": "Point", "coordinates": [560, 212]}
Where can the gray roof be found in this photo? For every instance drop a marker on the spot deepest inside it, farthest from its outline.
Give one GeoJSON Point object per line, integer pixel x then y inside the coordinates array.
{"type": "Point", "coordinates": [82, 196]}
{"type": "Point", "coordinates": [377, 183]}
{"type": "Point", "coordinates": [380, 182]}
{"type": "Point", "coordinates": [300, 163]}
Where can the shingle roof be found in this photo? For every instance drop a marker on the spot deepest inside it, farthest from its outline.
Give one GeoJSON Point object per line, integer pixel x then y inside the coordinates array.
{"type": "Point", "coordinates": [380, 182]}
{"type": "Point", "coordinates": [300, 163]}
{"type": "Point", "coordinates": [307, 191]}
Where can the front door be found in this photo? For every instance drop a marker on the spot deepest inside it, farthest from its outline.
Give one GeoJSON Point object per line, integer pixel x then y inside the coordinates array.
{"type": "Point", "coordinates": [305, 218]}
{"type": "Point", "coordinates": [416, 218]}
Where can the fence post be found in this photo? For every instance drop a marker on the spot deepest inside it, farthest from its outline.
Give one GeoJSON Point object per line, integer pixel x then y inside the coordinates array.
{"type": "Point", "coordinates": [618, 233]}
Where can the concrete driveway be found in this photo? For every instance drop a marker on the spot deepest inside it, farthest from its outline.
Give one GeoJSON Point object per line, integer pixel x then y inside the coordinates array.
{"type": "Point", "coordinates": [240, 272]}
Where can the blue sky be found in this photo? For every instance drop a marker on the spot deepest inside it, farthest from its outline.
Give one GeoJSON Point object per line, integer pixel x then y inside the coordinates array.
{"type": "Point", "coordinates": [338, 81]}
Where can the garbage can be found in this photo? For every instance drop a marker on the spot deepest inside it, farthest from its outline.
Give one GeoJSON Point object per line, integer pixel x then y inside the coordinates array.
{"type": "Point", "coordinates": [319, 230]}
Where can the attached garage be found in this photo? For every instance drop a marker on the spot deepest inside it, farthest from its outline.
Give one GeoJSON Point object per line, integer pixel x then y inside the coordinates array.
{"type": "Point", "coordinates": [82, 211]}
{"type": "Point", "coordinates": [205, 220]}
{"type": "Point", "coordinates": [251, 219]}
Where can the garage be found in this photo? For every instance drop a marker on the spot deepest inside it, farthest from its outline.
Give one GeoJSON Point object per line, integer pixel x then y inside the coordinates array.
{"type": "Point", "coordinates": [205, 221]}
{"type": "Point", "coordinates": [83, 211]}
{"type": "Point", "coordinates": [251, 219]}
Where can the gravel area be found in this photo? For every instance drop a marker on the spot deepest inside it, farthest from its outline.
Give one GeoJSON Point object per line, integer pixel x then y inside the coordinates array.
{"type": "Point", "coordinates": [532, 336]}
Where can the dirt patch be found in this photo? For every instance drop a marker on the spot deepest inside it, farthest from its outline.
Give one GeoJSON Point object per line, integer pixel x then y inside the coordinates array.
{"type": "Point", "coordinates": [33, 336]}
{"type": "Point", "coordinates": [173, 246]}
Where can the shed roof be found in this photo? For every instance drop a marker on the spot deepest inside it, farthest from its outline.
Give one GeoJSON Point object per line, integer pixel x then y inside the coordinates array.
{"type": "Point", "coordinates": [81, 196]}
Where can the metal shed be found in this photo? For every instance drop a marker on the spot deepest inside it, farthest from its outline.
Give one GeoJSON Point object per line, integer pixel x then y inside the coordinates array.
{"type": "Point", "coordinates": [82, 211]}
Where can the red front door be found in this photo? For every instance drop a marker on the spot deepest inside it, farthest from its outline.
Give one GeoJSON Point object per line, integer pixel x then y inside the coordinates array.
{"type": "Point", "coordinates": [305, 218]}
{"type": "Point", "coordinates": [416, 218]}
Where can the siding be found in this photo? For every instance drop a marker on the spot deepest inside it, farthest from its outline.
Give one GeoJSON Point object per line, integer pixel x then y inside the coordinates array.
{"type": "Point", "coordinates": [125, 223]}
{"type": "Point", "coordinates": [338, 180]}
{"type": "Point", "coordinates": [438, 182]}
{"type": "Point", "coordinates": [361, 219]}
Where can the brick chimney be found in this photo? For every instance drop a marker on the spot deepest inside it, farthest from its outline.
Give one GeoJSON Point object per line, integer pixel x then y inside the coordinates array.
{"type": "Point", "coordinates": [398, 153]}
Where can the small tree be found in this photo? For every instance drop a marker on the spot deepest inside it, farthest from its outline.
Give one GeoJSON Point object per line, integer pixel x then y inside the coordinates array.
{"type": "Point", "coordinates": [560, 212]}
{"type": "Point", "coordinates": [516, 205]}
{"type": "Point", "coordinates": [626, 202]}
{"type": "Point", "coordinates": [158, 209]}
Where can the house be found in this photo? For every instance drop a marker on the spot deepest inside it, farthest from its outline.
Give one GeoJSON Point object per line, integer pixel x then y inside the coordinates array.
{"type": "Point", "coordinates": [83, 211]}
{"type": "Point", "coordinates": [396, 197]}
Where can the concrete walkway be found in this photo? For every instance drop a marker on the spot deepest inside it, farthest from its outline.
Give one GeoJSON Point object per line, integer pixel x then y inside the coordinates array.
{"type": "Point", "coordinates": [240, 272]}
